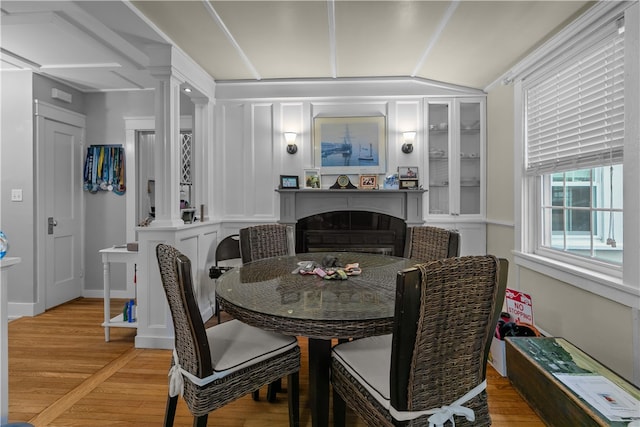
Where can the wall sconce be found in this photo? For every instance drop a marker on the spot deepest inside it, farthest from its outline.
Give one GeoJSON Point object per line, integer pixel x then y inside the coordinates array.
{"type": "Point", "coordinates": [409, 138]}
{"type": "Point", "coordinates": [290, 137]}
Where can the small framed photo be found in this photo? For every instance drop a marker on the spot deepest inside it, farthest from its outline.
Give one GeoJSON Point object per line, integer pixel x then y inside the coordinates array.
{"type": "Point", "coordinates": [408, 172]}
{"type": "Point", "coordinates": [369, 182]}
{"type": "Point", "coordinates": [408, 184]}
{"type": "Point", "coordinates": [289, 182]}
{"type": "Point", "coordinates": [312, 178]}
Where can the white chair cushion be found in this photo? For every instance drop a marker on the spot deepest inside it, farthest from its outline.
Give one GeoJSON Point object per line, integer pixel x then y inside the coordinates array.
{"type": "Point", "coordinates": [369, 361]}
{"type": "Point", "coordinates": [234, 345]}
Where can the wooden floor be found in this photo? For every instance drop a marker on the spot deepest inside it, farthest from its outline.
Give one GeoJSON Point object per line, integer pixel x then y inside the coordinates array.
{"type": "Point", "coordinates": [63, 373]}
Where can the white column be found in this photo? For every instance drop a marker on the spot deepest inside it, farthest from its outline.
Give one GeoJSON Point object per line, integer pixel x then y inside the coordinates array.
{"type": "Point", "coordinates": [201, 161]}
{"type": "Point", "coordinates": [167, 151]}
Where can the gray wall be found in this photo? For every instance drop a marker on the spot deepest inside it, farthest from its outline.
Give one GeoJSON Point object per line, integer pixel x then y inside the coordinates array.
{"type": "Point", "coordinates": [42, 90]}
{"type": "Point", "coordinates": [105, 211]}
{"type": "Point", "coordinates": [16, 171]}
{"type": "Point", "coordinates": [19, 90]}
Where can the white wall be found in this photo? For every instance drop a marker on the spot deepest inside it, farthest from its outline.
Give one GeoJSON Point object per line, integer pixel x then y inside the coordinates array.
{"type": "Point", "coordinates": [251, 118]}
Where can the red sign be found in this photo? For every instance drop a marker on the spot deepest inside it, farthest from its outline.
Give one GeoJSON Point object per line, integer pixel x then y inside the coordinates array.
{"type": "Point", "coordinates": [519, 306]}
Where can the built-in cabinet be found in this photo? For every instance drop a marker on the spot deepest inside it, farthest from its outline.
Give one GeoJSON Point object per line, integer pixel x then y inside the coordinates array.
{"type": "Point", "coordinates": [455, 136]}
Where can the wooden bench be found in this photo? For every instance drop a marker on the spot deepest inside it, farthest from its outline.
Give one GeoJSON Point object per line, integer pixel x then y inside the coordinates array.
{"type": "Point", "coordinates": [532, 364]}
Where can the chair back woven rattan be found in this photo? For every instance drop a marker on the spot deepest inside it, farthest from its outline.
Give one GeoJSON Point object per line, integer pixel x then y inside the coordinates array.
{"type": "Point", "coordinates": [227, 249]}
{"type": "Point", "coordinates": [263, 241]}
{"type": "Point", "coordinates": [429, 243]}
{"type": "Point", "coordinates": [259, 242]}
{"type": "Point", "coordinates": [445, 317]}
{"type": "Point", "coordinates": [193, 350]}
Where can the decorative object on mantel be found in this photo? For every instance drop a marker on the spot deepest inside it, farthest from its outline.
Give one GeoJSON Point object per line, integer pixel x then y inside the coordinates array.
{"type": "Point", "coordinates": [289, 182]}
{"type": "Point", "coordinates": [4, 244]}
{"type": "Point", "coordinates": [391, 182]}
{"type": "Point", "coordinates": [408, 177]}
{"type": "Point", "coordinates": [312, 178]}
{"type": "Point", "coordinates": [369, 182]}
{"type": "Point", "coordinates": [104, 169]}
{"type": "Point", "coordinates": [342, 182]}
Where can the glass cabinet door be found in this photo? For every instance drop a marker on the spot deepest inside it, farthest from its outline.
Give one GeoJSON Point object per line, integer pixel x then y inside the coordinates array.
{"type": "Point", "coordinates": [439, 153]}
{"type": "Point", "coordinates": [470, 148]}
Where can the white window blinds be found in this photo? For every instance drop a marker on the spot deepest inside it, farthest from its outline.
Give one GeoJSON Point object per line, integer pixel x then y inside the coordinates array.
{"type": "Point", "coordinates": [575, 115]}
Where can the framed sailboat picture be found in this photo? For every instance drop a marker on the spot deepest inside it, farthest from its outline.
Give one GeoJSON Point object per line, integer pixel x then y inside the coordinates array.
{"type": "Point", "coordinates": [350, 145]}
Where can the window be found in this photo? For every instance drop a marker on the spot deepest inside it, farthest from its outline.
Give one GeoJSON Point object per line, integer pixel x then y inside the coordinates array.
{"type": "Point", "coordinates": [581, 213]}
{"type": "Point", "coordinates": [574, 144]}
{"type": "Point", "coordinates": [577, 102]}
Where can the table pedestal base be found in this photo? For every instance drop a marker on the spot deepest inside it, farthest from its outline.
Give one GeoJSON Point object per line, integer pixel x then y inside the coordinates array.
{"type": "Point", "coordinates": [319, 363]}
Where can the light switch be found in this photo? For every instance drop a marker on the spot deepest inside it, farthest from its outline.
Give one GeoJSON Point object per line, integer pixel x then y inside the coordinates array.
{"type": "Point", "coordinates": [16, 194]}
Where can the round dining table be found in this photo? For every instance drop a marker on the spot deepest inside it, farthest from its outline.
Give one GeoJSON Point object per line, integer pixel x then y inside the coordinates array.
{"type": "Point", "coordinates": [274, 295]}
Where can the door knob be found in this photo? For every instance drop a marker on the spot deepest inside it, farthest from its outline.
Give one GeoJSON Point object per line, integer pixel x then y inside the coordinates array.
{"type": "Point", "coordinates": [51, 223]}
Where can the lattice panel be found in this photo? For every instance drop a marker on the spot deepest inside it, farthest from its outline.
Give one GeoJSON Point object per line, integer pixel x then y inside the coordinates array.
{"type": "Point", "coordinates": [185, 157]}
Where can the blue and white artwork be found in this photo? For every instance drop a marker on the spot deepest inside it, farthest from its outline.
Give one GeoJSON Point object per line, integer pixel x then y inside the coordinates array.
{"type": "Point", "coordinates": [350, 143]}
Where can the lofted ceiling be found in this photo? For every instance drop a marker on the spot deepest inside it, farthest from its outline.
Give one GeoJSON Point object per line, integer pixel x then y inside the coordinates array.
{"type": "Point", "coordinates": [102, 45]}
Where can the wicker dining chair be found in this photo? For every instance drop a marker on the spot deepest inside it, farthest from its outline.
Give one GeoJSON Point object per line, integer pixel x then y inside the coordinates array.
{"type": "Point", "coordinates": [427, 243]}
{"type": "Point", "coordinates": [214, 366]}
{"type": "Point", "coordinates": [432, 368]}
{"type": "Point", "coordinates": [264, 241]}
{"type": "Point", "coordinates": [228, 249]}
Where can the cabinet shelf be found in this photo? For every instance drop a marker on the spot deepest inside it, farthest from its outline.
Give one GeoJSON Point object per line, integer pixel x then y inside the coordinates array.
{"type": "Point", "coordinates": [469, 131]}
{"type": "Point", "coordinates": [466, 157]}
{"type": "Point", "coordinates": [119, 322]}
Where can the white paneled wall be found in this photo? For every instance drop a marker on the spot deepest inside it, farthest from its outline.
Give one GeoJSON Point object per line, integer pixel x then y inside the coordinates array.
{"type": "Point", "coordinates": [251, 118]}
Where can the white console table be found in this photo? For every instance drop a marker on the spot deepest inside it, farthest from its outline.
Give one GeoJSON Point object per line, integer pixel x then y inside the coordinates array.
{"type": "Point", "coordinates": [110, 255]}
{"type": "Point", "coordinates": [5, 264]}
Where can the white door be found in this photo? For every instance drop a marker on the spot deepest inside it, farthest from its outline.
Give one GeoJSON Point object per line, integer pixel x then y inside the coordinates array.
{"type": "Point", "coordinates": [63, 196]}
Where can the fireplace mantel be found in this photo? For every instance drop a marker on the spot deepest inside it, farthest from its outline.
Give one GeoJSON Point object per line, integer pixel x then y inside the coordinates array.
{"type": "Point", "coordinates": [403, 204]}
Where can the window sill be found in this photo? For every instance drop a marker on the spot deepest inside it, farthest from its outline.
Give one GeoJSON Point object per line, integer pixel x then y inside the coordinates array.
{"type": "Point", "coordinates": [606, 286]}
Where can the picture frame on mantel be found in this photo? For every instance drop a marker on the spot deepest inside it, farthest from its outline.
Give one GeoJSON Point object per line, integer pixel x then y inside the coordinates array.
{"type": "Point", "coordinates": [312, 178]}
{"type": "Point", "coordinates": [289, 182]}
{"type": "Point", "coordinates": [350, 145]}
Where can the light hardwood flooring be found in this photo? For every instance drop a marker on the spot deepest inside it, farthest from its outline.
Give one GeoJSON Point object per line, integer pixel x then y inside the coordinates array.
{"type": "Point", "coordinates": [63, 373]}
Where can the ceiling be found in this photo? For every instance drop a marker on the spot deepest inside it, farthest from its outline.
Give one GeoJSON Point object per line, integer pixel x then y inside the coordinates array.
{"type": "Point", "coordinates": [102, 45]}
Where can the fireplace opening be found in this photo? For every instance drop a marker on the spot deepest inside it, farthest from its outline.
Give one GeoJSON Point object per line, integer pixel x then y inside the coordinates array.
{"type": "Point", "coordinates": [354, 231]}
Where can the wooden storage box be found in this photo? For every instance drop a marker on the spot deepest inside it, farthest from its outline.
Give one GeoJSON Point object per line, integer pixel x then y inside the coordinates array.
{"type": "Point", "coordinates": [531, 365]}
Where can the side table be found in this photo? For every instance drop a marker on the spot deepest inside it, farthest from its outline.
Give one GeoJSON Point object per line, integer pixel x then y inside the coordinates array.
{"type": "Point", "coordinates": [5, 264]}
{"type": "Point", "coordinates": [110, 255]}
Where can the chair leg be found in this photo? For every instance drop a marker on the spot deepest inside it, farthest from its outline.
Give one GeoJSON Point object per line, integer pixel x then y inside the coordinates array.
{"type": "Point", "coordinates": [293, 390]}
{"type": "Point", "coordinates": [272, 390]}
{"type": "Point", "coordinates": [200, 421]}
{"type": "Point", "coordinates": [218, 310]}
{"type": "Point", "coordinates": [339, 410]}
{"type": "Point", "coordinates": [170, 411]}
{"type": "Point", "coordinates": [256, 395]}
